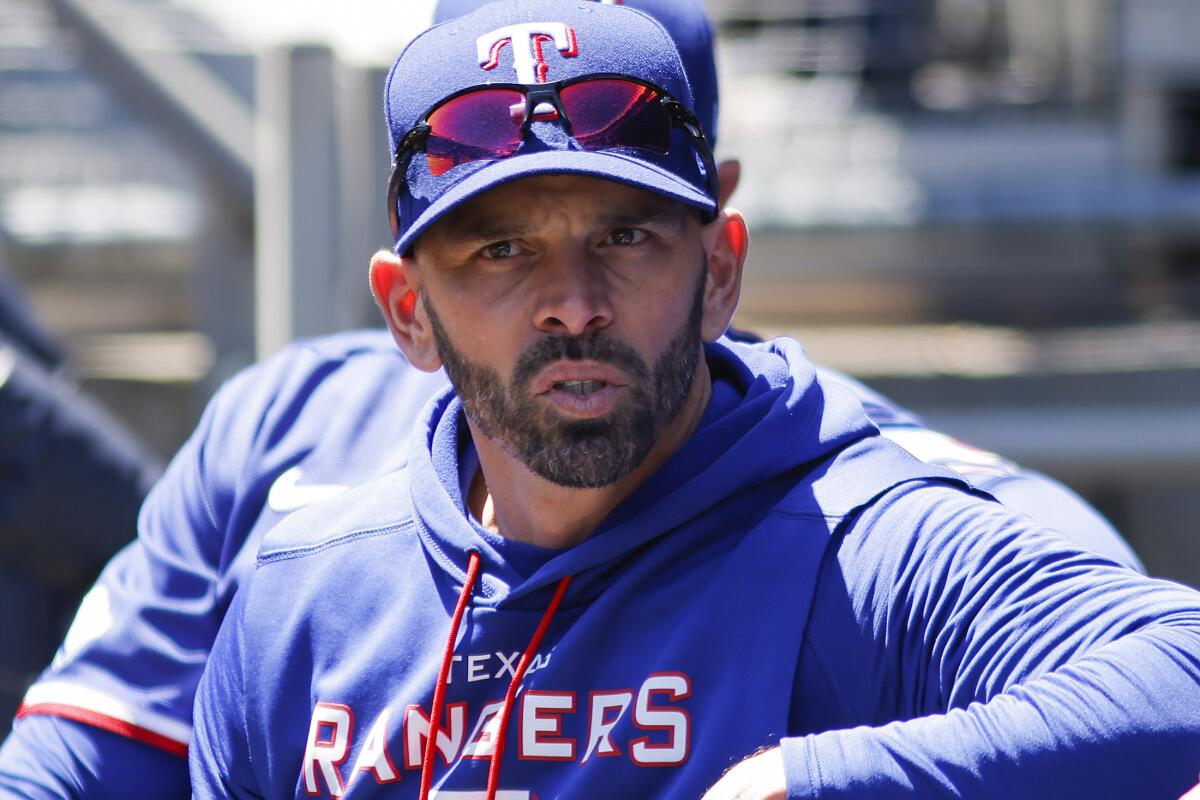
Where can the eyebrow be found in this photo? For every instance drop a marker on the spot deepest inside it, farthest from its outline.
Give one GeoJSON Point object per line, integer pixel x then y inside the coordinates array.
{"type": "Point", "coordinates": [475, 228]}
{"type": "Point", "coordinates": [666, 212]}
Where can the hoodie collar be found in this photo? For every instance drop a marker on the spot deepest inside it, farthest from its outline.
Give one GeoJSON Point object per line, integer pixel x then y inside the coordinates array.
{"type": "Point", "coordinates": [780, 419]}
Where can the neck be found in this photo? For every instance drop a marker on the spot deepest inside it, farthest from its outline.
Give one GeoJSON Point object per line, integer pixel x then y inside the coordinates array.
{"type": "Point", "coordinates": [519, 505]}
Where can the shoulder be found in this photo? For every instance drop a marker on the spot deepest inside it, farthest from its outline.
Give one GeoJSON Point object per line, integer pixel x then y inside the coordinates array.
{"type": "Point", "coordinates": [293, 398]}
{"type": "Point", "coordinates": [977, 465]}
{"type": "Point", "coordinates": [910, 432]}
{"type": "Point", "coordinates": [873, 468]}
{"type": "Point", "coordinates": [378, 509]}
{"type": "Point", "coordinates": [323, 574]}
{"type": "Point", "coordinates": [303, 365]}
{"type": "Point", "coordinates": [923, 529]}
{"type": "Point", "coordinates": [882, 410]}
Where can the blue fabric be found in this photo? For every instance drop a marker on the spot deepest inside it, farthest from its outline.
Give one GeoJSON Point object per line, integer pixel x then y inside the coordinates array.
{"type": "Point", "coordinates": [981, 659]}
{"type": "Point", "coordinates": [690, 28]}
{"type": "Point", "coordinates": [1025, 491]}
{"type": "Point", "coordinates": [606, 39]}
{"type": "Point", "coordinates": [142, 635]}
{"type": "Point", "coordinates": [55, 442]}
{"type": "Point", "coordinates": [337, 409]}
{"type": "Point", "coordinates": [57, 758]}
{"type": "Point", "coordinates": [429, 198]}
{"type": "Point", "coordinates": [71, 481]}
{"type": "Point", "coordinates": [1055, 506]}
{"type": "Point", "coordinates": [786, 551]}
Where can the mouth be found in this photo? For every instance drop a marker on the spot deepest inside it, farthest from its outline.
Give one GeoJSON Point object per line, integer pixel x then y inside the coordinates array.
{"type": "Point", "coordinates": [580, 388]}
{"type": "Point", "coordinates": [579, 378]}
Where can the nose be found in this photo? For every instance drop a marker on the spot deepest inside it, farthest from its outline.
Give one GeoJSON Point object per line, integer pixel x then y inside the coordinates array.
{"type": "Point", "coordinates": [574, 296]}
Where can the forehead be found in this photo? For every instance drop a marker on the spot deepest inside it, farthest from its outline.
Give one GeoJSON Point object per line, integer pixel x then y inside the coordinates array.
{"type": "Point", "coordinates": [545, 201]}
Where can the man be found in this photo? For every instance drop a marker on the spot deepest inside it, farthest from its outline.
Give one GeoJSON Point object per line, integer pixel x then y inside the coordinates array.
{"type": "Point", "coordinates": [304, 426]}
{"type": "Point", "coordinates": [1032, 493]}
{"type": "Point", "coordinates": [616, 550]}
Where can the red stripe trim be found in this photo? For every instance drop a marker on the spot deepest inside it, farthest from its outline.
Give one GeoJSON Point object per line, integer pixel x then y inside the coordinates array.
{"type": "Point", "coordinates": [107, 723]}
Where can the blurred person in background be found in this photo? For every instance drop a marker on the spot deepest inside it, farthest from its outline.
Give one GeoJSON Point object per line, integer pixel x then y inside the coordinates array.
{"type": "Point", "coordinates": [71, 481]}
{"type": "Point", "coordinates": [21, 331]}
{"type": "Point", "coordinates": [302, 427]}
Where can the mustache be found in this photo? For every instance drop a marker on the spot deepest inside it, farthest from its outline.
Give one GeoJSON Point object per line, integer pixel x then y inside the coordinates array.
{"type": "Point", "coordinates": [593, 347]}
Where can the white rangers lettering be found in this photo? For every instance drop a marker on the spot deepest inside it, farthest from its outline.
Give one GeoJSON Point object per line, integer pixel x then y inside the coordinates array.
{"type": "Point", "coordinates": [544, 719]}
{"type": "Point", "coordinates": [601, 721]}
{"type": "Point", "coordinates": [477, 669]}
{"type": "Point", "coordinates": [656, 718]}
{"type": "Point", "coordinates": [509, 665]}
{"type": "Point", "coordinates": [478, 666]}
{"type": "Point", "coordinates": [482, 741]}
{"type": "Point", "coordinates": [374, 756]}
{"type": "Point", "coordinates": [449, 738]}
{"type": "Point", "coordinates": [539, 661]}
{"type": "Point", "coordinates": [541, 726]}
{"type": "Point", "coordinates": [328, 745]}
{"type": "Point", "coordinates": [527, 39]}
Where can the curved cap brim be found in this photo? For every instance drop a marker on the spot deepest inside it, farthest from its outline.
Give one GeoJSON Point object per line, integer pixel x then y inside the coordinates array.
{"type": "Point", "coordinates": [608, 165]}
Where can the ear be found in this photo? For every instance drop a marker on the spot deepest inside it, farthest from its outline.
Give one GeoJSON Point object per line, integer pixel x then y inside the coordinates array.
{"type": "Point", "coordinates": [395, 285]}
{"type": "Point", "coordinates": [729, 174]}
{"type": "Point", "coordinates": [726, 241]}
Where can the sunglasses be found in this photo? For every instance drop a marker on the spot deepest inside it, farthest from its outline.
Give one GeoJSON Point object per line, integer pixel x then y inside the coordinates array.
{"type": "Point", "coordinates": [489, 122]}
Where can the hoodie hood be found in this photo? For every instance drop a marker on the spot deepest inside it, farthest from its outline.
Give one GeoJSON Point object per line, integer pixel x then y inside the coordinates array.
{"type": "Point", "coordinates": [781, 419]}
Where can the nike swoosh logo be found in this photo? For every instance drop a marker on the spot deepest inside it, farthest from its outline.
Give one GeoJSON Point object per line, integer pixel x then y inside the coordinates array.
{"type": "Point", "coordinates": [288, 494]}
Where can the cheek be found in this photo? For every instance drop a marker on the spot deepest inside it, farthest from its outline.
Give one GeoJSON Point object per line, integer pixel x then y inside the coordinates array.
{"type": "Point", "coordinates": [655, 318]}
{"type": "Point", "coordinates": [666, 299]}
{"type": "Point", "coordinates": [487, 335]}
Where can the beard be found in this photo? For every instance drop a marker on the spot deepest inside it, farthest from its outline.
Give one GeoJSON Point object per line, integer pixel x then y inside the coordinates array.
{"type": "Point", "coordinates": [577, 453]}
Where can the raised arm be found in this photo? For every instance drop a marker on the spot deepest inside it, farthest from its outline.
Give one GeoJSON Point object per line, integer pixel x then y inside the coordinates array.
{"type": "Point", "coordinates": [954, 651]}
{"type": "Point", "coordinates": [981, 658]}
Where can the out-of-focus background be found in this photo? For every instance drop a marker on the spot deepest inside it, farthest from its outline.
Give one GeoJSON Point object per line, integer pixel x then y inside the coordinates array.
{"type": "Point", "coordinates": [988, 209]}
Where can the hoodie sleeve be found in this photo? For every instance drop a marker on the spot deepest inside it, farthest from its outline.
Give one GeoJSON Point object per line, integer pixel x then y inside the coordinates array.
{"type": "Point", "coordinates": [956, 651]}
{"type": "Point", "coordinates": [134, 653]}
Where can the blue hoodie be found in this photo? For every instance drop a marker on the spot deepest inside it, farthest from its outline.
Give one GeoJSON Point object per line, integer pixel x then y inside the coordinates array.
{"type": "Point", "coordinates": [787, 576]}
{"type": "Point", "coordinates": [320, 415]}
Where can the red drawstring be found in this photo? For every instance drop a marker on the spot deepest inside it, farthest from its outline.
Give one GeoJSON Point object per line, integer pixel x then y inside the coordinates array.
{"type": "Point", "coordinates": [439, 689]}
{"type": "Point", "coordinates": [514, 684]}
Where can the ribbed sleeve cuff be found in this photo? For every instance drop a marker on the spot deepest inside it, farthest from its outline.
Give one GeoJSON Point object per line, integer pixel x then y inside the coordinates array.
{"type": "Point", "coordinates": [801, 767]}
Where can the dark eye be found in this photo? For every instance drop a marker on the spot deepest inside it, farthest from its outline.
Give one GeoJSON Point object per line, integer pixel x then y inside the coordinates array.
{"type": "Point", "coordinates": [498, 250]}
{"type": "Point", "coordinates": [624, 237]}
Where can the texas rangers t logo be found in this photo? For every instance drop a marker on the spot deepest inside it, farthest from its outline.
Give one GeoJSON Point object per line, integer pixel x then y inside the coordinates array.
{"type": "Point", "coordinates": [527, 40]}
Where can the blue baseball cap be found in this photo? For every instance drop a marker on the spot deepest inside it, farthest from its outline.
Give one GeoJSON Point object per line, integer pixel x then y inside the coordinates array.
{"type": "Point", "coordinates": [532, 42]}
{"type": "Point", "coordinates": [689, 26]}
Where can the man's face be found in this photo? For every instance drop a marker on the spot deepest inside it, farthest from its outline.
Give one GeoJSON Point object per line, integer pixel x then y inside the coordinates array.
{"type": "Point", "coordinates": [567, 312]}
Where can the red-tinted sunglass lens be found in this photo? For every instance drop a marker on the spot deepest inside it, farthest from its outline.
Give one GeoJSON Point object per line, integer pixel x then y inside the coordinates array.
{"type": "Point", "coordinates": [477, 126]}
{"type": "Point", "coordinates": [609, 112]}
